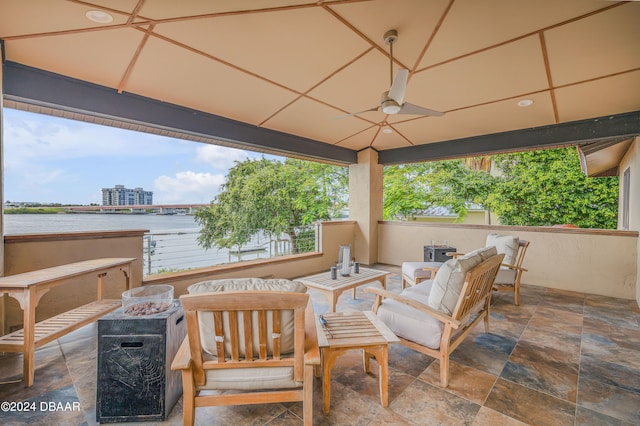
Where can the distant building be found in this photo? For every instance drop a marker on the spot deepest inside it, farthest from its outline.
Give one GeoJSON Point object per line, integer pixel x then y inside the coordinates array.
{"type": "Point", "coordinates": [121, 196]}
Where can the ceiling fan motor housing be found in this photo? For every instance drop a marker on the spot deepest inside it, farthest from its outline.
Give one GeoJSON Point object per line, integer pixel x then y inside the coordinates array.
{"type": "Point", "coordinates": [390, 36]}
{"type": "Point", "coordinates": [388, 105]}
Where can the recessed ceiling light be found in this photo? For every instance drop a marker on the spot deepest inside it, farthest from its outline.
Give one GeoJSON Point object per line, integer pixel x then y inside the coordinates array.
{"type": "Point", "coordinates": [99, 16]}
{"type": "Point", "coordinates": [387, 130]}
{"type": "Point", "coordinates": [525, 103]}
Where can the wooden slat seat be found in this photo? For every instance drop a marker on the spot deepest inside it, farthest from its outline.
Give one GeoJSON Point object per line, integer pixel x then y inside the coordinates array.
{"type": "Point", "coordinates": [59, 325]}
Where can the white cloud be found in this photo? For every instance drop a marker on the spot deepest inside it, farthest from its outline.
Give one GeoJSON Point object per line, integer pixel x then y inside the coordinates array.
{"type": "Point", "coordinates": [35, 137]}
{"type": "Point", "coordinates": [187, 187]}
{"type": "Point", "coordinates": [220, 157]}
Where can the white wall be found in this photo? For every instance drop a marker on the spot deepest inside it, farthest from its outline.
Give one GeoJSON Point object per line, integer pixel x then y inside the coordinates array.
{"type": "Point", "coordinates": [582, 260]}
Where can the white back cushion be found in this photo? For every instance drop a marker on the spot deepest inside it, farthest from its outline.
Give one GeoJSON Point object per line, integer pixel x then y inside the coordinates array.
{"type": "Point", "coordinates": [507, 244]}
{"type": "Point", "coordinates": [449, 279]}
{"type": "Point", "coordinates": [207, 327]}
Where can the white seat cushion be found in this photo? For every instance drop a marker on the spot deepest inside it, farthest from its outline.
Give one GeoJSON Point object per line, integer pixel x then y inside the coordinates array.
{"type": "Point", "coordinates": [505, 244]}
{"type": "Point", "coordinates": [410, 323]}
{"type": "Point", "coordinates": [449, 280]}
{"type": "Point", "coordinates": [414, 269]}
{"type": "Point", "coordinates": [249, 378]}
{"type": "Point", "coordinates": [506, 276]}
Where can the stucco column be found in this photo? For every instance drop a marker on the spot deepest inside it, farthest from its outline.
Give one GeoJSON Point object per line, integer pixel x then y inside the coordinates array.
{"type": "Point", "coordinates": [365, 204]}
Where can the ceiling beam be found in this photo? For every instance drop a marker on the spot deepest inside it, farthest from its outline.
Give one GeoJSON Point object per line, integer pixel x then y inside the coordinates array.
{"type": "Point", "coordinates": [625, 125]}
{"type": "Point", "coordinates": [34, 86]}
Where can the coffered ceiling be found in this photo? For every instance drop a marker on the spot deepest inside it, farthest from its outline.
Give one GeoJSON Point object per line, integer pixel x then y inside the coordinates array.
{"type": "Point", "coordinates": [294, 66]}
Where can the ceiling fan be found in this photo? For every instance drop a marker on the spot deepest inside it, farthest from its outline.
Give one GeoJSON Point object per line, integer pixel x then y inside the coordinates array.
{"type": "Point", "coordinates": [392, 100]}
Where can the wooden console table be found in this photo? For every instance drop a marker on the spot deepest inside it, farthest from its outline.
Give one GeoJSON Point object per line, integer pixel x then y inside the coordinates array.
{"type": "Point", "coordinates": [27, 288]}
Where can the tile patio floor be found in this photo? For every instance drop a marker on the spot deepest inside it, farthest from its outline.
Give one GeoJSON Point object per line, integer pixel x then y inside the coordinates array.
{"type": "Point", "coordinates": [561, 358]}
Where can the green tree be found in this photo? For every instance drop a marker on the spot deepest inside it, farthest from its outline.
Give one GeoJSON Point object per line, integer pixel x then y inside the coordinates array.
{"type": "Point", "coordinates": [274, 197]}
{"type": "Point", "coordinates": [410, 188]}
{"type": "Point", "coordinates": [541, 188]}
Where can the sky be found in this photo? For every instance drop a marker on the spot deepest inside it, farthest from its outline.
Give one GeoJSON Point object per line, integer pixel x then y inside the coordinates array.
{"type": "Point", "coordinates": [54, 160]}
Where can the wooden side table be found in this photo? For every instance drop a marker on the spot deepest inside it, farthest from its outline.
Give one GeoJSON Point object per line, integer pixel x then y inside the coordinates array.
{"type": "Point", "coordinates": [349, 331]}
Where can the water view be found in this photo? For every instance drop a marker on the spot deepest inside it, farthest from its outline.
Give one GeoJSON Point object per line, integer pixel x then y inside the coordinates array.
{"type": "Point", "coordinates": [170, 245]}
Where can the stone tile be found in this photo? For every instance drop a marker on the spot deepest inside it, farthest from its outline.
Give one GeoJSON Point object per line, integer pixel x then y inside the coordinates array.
{"type": "Point", "coordinates": [562, 384]}
{"type": "Point", "coordinates": [50, 374]}
{"type": "Point", "coordinates": [388, 417]}
{"type": "Point", "coordinates": [586, 417]}
{"type": "Point", "coordinates": [82, 367]}
{"type": "Point", "coordinates": [529, 294]}
{"type": "Point", "coordinates": [619, 335]}
{"type": "Point", "coordinates": [609, 400]}
{"type": "Point", "coordinates": [487, 352]}
{"type": "Point", "coordinates": [258, 414]}
{"type": "Point", "coordinates": [488, 417]}
{"type": "Point", "coordinates": [349, 371]}
{"type": "Point", "coordinates": [557, 320]}
{"type": "Point", "coordinates": [598, 301]}
{"type": "Point", "coordinates": [511, 312]}
{"type": "Point", "coordinates": [53, 408]}
{"type": "Point", "coordinates": [568, 344]}
{"type": "Point", "coordinates": [86, 332]}
{"type": "Point", "coordinates": [556, 357]}
{"type": "Point", "coordinates": [507, 329]}
{"type": "Point", "coordinates": [610, 317]}
{"type": "Point", "coordinates": [546, 361]}
{"type": "Point", "coordinates": [593, 368]}
{"type": "Point", "coordinates": [612, 347]}
{"type": "Point", "coordinates": [286, 419]}
{"type": "Point", "coordinates": [348, 407]}
{"type": "Point", "coordinates": [563, 300]}
{"type": "Point", "coordinates": [430, 405]}
{"type": "Point", "coordinates": [509, 320]}
{"type": "Point", "coordinates": [466, 382]}
{"type": "Point", "coordinates": [529, 406]}
{"type": "Point", "coordinates": [407, 360]}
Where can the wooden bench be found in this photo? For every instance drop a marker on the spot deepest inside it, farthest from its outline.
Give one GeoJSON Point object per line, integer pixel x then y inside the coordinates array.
{"type": "Point", "coordinates": [27, 288]}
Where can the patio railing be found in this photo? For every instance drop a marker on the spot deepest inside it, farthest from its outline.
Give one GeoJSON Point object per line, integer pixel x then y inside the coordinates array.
{"type": "Point", "coordinates": [178, 251]}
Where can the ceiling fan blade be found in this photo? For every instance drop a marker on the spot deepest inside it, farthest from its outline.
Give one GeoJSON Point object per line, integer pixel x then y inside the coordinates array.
{"type": "Point", "coordinates": [359, 112]}
{"type": "Point", "coordinates": [408, 108]}
{"type": "Point", "coordinates": [399, 85]}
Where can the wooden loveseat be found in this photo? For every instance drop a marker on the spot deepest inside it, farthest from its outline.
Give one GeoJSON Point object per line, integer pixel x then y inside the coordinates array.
{"type": "Point", "coordinates": [434, 316]}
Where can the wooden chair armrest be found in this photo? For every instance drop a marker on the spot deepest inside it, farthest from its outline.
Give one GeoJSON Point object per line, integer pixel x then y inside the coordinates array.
{"type": "Point", "coordinates": [432, 269]}
{"type": "Point", "coordinates": [454, 254]}
{"type": "Point", "coordinates": [311, 349]}
{"type": "Point", "coordinates": [182, 360]}
{"type": "Point", "coordinates": [514, 267]}
{"type": "Point", "coordinates": [440, 316]}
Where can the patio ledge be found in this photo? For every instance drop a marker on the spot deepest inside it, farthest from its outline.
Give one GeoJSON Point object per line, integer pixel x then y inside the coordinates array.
{"type": "Point", "coordinates": [67, 236]}
{"type": "Point", "coordinates": [228, 267]}
{"type": "Point", "coordinates": [506, 228]}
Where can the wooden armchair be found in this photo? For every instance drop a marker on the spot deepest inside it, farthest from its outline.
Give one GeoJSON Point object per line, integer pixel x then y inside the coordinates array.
{"type": "Point", "coordinates": [510, 273]}
{"type": "Point", "coordinates": [412, 315]}
{"type": "Point", "coordinates": [261, 344]}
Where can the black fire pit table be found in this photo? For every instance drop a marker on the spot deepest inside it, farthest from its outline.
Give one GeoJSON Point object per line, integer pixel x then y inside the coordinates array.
{"type": "Point", "coordinates": [135, 381]}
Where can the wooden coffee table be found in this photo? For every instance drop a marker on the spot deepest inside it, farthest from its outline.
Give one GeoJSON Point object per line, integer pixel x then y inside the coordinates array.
{"type": "Point", "coordinates": [349, 331]}
{"type": "Point", "coordinates": [334, 288]}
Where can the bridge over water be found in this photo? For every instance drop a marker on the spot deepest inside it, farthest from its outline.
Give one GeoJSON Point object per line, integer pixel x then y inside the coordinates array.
{"type": "Point", "coordinates": [140, 208]}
